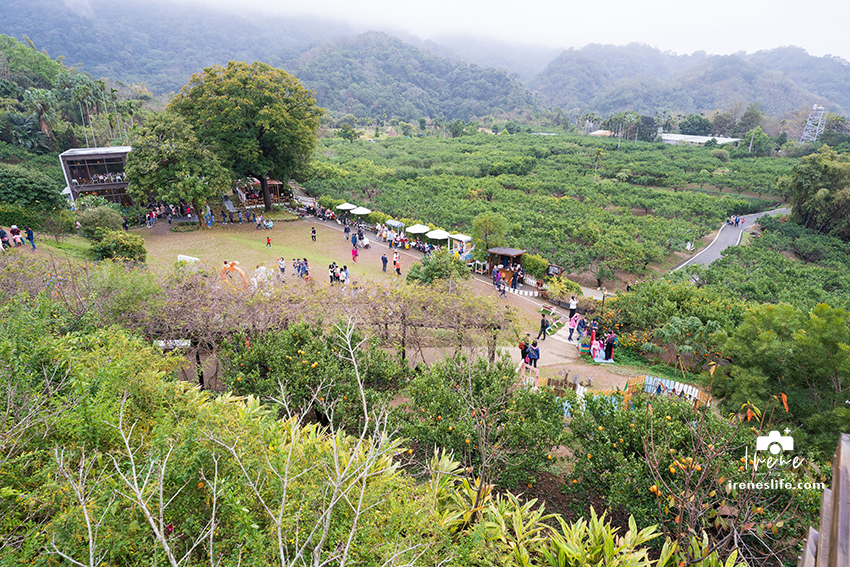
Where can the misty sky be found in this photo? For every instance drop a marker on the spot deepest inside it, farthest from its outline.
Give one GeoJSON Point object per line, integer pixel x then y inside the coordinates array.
{"type": "Point", "coordinates": [716, 26]}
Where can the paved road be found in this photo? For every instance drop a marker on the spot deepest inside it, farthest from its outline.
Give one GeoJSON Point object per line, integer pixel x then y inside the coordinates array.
{"type": "Point", "coordinates": [726, 237]}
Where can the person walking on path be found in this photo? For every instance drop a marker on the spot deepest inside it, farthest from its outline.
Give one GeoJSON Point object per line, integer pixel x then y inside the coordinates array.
{"type": "Point", "coordinates": [514, 279]}
{"type": "Point", "coordinates": [354, 255]}
{"type": "Point", "coordinates": [573, 306]}
{"type": "Point", "coordinates": [384, 261]}
{"type": "Point", "coordinates": [346, 232]}
{"type": "Point", "coordinates": [397, 266]}
{"type": "Point", "coordinates": [544, 326]}
{"type": "Point", "coordinates": [30, 236]}
{"type": "Point", "coordinates": [502, 289]}
{"type": "Point", "coordinates": [534, 354]}
{"type": "Point", "coordinates": [533, 357]}
{"type": "Point", "coordinates": [282, 265]}
{"type": "Point", "coordinates": [313, 234]}
{"type": "Point", "coordinates": [268, 242]}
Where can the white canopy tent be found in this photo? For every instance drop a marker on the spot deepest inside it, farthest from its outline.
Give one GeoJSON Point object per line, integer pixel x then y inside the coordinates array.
{"type": "Point", "coordinates": [417, 229]}
{"type": "Point", "coordinates": [438, 234]}
{"type": "Point", "coordinates": [346, 207]}
{"type": "Point", "coordinates": [361, 211]}
{"type": "Point", "coordinates": [461, 237]}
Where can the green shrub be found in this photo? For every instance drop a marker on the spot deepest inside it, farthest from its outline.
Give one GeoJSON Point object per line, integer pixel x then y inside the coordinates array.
{"type": "Point", "coordinates": [439, 265]}
{"type": "Point", "coordinates": [119, 245]}
{"type": "Point", "coordinates": [561, 288]}
{"type": "Point", "coordinates": [103, 218]}
{"type": "Point", "coordinates": [21, 216]}
{"type": "Point", "coordinates": [28, 188]}
{"type": "Point", "coordinates": [300, 359]}
{"type": "Point", "coordinates": [535, 265]}
{"type": "Point", "coordinates": [722, 155]}
{"type": "Point", "coordinates": [521, 426]}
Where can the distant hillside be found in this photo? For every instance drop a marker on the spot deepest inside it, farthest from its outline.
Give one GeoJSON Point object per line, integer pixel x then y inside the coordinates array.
{"type": "Point", "coordinates": [607, 78]}
{"type": "Point", "coordinates": [826, 76]}
{"type": "Point", "coordinates": [375, 74]}
{"type": "Point", "coordinates": [523, 60]}
{"type": "Point", "coordinates": [160, 44]}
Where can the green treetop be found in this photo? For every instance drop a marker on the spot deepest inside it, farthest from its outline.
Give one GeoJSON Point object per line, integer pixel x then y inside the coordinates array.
{"type": "Point", "coordinates": [261, 121]}
{"type": "Point", "coordinates": [169, 163]}
{"type": "Point", "coordinates": [820, 190]}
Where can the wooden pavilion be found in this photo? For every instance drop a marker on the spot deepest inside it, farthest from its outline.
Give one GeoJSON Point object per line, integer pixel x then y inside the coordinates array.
{"type": "Point", "coordinates": [97, 171]}
{"type": "Point", "coordinates": [506, 260]}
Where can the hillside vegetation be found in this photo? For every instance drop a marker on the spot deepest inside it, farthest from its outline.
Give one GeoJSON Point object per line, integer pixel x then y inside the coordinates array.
{"type": "Point", "coordinates": [376, 75]}
{"type": "Point", "coordinates": [544, 186]}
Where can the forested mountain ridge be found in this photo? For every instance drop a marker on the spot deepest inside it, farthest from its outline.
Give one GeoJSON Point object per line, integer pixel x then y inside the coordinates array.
{"type": "Point", "coordinates": [607, 78]}
{"type": "Point", "coordinates": [161, 45]}
{"type": "Point", "coordinates": [374, 74]}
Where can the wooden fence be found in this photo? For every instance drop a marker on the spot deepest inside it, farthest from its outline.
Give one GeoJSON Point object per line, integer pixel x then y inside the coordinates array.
{"type": "Point", "coordinates": [646, 384]}
{"type": "Point", "coordinates": [829, 546]}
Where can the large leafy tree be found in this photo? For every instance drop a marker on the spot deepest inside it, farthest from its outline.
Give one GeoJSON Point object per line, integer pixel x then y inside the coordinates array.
{"type": "Point", "coordinates": [695, 125]}
{"type": "Point", "coordinates": [28, 188]}
{"type": "Point", "coordinates": [260, 120]}
{"type": "Point", "coordinates": [169, 163]}
{"type": "Point", "coordinates": [489, 229]}
{"type": "Point", "coordinates": [820, 190]}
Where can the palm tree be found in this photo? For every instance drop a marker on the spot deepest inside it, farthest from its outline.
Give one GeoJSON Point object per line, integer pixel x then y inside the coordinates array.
{"type": "Point", "coordinates": [25, 131]}
{"type": "Point", "coordinates": [43, 104]}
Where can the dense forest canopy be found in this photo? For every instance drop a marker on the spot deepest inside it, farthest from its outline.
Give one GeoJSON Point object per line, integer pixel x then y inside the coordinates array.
{"type": "Point", "coordinates": [374, 75]}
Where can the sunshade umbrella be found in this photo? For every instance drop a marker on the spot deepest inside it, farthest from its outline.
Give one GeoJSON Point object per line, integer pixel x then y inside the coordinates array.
{"type": "Point", "coordinates": [417, 229]}
{"type": "Point", "coordinates": [438, 234]}
{"type": "Point", "coordinates": [346, 207]}
{"type": "Point", "coordinates": [361, 211]}
{"type": "Point", "coordinates": [461, 237]}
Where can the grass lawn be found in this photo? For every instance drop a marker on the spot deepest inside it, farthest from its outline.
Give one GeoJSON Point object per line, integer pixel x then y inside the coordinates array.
{"type": "Point", "coordinates": [247, 245]}
{"type": "Point", "coordinates": [75, 247]}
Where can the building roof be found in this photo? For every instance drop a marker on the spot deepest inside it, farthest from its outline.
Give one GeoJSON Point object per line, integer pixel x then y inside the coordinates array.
{"type": "Point", "coordinates": [506, 251]}
{"type": "Point", "coordinates": [667, 138]}
{"type": "Point", "coordinates": [82, 152]}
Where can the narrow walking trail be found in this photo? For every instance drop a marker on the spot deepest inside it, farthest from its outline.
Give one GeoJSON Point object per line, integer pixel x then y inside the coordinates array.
{"type": "Point", "coordinates": [727, 236]}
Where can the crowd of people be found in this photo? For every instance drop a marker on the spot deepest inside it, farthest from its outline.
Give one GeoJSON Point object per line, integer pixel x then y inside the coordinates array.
{"type": "Point", "coordinates": [517, 276]}
{"type": "Point", "coordinates": [735, 221]}
{"type": "Point", "coordinates": [111, 177]}
{"type": "Point", "coordinates": [15, 237]}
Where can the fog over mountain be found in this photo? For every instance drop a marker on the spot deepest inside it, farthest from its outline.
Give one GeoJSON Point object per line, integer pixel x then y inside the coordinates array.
{"type": "Point", "coordinates": [446, 73]}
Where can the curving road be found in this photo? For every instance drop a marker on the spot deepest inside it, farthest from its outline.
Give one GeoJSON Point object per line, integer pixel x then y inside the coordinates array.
{"type": "Point", "coordinates": [727, 236]}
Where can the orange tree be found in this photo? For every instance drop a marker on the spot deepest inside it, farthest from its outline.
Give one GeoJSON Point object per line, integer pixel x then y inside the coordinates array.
{"type": "Point", "coordinates": [301, 368]}
{"type": "Point", "coordinates": [666, 463]}
{"type": "Point", "coordinates": [474, 409]}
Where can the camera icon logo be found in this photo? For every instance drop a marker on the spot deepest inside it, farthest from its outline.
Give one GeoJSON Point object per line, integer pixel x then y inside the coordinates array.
{"type": "Point", "coordinates": [774, 442]}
